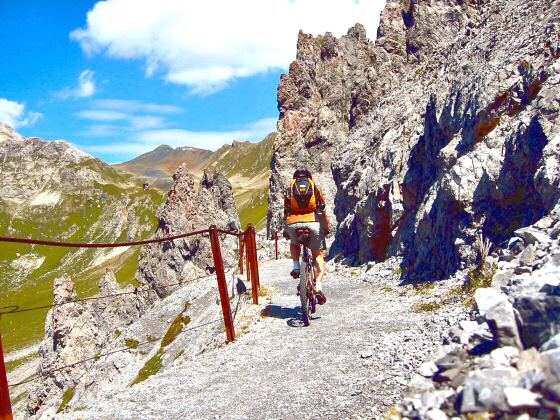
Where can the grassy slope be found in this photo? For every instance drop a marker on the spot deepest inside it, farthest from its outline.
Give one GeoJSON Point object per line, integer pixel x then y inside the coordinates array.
{"type": "Point", "coordinates": [247, 166]}
{"type": "Point", "coordinates": [80, 216]}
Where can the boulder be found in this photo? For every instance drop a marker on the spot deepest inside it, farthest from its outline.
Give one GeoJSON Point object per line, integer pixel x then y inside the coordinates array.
{"type": "Point", "coordinates": [468, 326]}
{"type": "Point", "coordinates": [458, 335]}
{"type": "Point", "coordinates": [436, 414]}
{"type": "Point", "coordinates": [516, 245]}
{"type": "Point", "coordinates": [435, 399]}
{"type": "Point", "coordinates": [532, 235]}
{"type": "Point", "coordinates": [427, 369]}
{"type": "Point", "coordinates": [502, 278]}
{"type": "Point", "coordinates": [483, 390]}
{"type": "Point", "coordinates": [521, 398]}
{"type": "Point", "coordinates": [504, 356]}
{"type": "Point", "coordinates": [552, 358]}
{"type": "Point", "coordinates": [503, 323]}
{"type": "Point", "coordinates": [540, 317]}
{"type": "Point", "coordinates": [486, 297]}
{"type": "Point", "coordinates": [453, 359]}
{"type": "Point", "coordinates": [527, 256]}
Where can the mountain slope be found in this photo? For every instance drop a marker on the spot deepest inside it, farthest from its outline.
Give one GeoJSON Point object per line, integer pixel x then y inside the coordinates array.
{"type": "Point", "coordinates": [162, 162]}
{"type": "Point", "coordinates": [247, 167]}
{"type": "Point", "coordinates": [244, 163]}
{"type": "Point", "coordinates": [53, 191]}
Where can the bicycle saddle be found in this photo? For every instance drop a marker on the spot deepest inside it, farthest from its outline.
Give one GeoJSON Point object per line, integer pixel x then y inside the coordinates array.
{"type": "Point", "coordinates": [303, 234]}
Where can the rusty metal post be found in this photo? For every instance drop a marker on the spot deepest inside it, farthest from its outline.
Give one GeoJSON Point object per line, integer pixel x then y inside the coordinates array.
{"type": "Point", "coordinates": [247, 262]}
{"type": "Point", "coordinates": [250, 263]}
{"type": "Point", "coordinates": [222, 285]}
{"type": "Point", "coordinates": [255, 264]}
{"type": "Point", "coordinates": [241, 245]}
{"type": "Point", "coordinates": [276, 243]}
{"type": "Point", "coordinates": [5, 403]}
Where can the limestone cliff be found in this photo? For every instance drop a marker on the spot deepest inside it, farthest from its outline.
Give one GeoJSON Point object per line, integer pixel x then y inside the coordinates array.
{"type": "Point", "coordinates": [446, 127]}
{"type": "Point", "coordinates": [75, 332]}
{"type": "Point", "coordinates": [188, 209]}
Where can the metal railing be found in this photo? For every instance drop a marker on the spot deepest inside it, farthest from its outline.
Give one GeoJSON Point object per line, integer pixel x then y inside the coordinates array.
{"type": "Point", "coordinates": [247, 248]}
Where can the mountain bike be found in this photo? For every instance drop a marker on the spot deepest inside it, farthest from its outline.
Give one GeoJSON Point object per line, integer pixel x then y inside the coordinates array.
{"type": "Point", "coordinates": [307, 293]}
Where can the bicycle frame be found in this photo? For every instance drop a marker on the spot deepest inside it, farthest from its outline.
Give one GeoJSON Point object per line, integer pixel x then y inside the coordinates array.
{"type": "Point", "coordinates": [307, 278]}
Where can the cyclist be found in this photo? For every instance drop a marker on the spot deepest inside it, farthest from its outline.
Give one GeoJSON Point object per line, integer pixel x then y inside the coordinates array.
{"type": "Point", "coordinates": [304, 207]}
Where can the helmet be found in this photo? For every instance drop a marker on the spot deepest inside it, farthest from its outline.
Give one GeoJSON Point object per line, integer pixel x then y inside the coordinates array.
{"type": "Point", "coordinates": [302, 173]}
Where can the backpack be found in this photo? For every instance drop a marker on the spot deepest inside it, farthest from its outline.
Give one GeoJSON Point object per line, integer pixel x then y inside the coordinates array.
{"type": "Point", "coordinates": [302, 195]}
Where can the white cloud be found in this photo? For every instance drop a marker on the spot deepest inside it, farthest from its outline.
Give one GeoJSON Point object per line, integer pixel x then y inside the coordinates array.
{"type": "Point", "coordinates": [85, 89]}
{"type": "Point", "coordinates": [147, 122]}
{"type": "Point", "coordinates": [14, 114]}
{"type": "Point", "coordinates": [101, 115]}
{"type": "Point", "coordinates": [144, 141]}
{"type": "Point", "coordinates": [114, 116]}
{"type": "Point", "coordinates": [103, 130]}
{"type": "Point", "coordinates": [129, 106]}
{"type": "Point", "coordinates": [204, 45]}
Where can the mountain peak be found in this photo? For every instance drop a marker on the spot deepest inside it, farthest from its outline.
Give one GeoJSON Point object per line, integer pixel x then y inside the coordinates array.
{"type": "Point", "coordinates": [8, 133]}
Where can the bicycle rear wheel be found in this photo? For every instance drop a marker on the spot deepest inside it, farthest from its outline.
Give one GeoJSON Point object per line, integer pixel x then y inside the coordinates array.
{"type": "Point", "coordinates": [303, 291]}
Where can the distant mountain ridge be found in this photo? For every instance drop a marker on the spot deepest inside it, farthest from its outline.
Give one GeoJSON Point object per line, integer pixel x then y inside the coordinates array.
{"type": "Point", "coordinates": [51, 190]}
{"type": "Point", "coordinates": [163, 161]}
{"type": "Point", "coordinates": [246, 164]}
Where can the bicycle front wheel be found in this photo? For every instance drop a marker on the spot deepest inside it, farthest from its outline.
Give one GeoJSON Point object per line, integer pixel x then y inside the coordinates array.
{"type": "Point", "coordinates": [303, 274]}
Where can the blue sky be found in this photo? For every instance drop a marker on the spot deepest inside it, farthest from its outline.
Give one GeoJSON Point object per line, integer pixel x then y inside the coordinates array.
{"type": "Point", "coordinates": [119, 77]}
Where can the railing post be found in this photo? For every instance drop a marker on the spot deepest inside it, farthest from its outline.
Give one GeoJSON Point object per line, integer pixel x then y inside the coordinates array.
{"type": "Point", "coordinates": [247, 261]}
{"type": "Point", "coordinates": [276, 243]}
{"type": "Point", "coordinates": [255, 264]}
{"type": "Point", "coordinates": [222, 285]}
{"type": "Point", "coordinates": [241, 247]}
{"type": "Point", "coordinates": [250, 263]}
{"type": "Point", "coordinates": [5, 403]}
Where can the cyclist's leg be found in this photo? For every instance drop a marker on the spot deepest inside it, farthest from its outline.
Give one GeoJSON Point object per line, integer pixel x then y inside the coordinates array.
{"type": "Point", "coordinates": [319, 263]}
{"type": "Point", "coordinates": [295, 249]}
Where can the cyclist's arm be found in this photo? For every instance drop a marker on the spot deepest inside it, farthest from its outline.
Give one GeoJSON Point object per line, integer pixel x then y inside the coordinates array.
{"type": "Point", "coordinates": [287, 211]}
{"type": "Point", "coordinates": [287, 206]}
{"type": "Point", "coordinates": [321, 210]}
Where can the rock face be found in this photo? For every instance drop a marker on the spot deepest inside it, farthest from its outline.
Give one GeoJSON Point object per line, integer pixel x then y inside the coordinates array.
{"type": "Point", "coordinates": [324, 95]}
{"type": "Point", "coordinates": [166, 265]}
{"type": "Point", "coordinates": [31, 165]}
{"type": "Point", "coordinates": [447, 127]}
{"type": "Point", "coordinates": [78, 331]}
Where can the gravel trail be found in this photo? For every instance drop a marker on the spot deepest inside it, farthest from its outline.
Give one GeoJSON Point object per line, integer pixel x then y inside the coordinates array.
{"type": "Point", "coordinates": [354, 361]}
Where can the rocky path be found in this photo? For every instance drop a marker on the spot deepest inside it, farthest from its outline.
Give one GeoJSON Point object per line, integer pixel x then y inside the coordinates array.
{"type": "Point", "coordinates": [354, 360]}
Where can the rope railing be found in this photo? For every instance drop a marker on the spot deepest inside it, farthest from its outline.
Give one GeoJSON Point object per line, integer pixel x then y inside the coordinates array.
{"type": "Point", "coordinates": [247, 246]}
{"type": "Point", "coordinates": [137, 291]}
{"type": "Point", "coordinates": [101, 245]}
{"type": "Point", "coordinates": [152, 340]}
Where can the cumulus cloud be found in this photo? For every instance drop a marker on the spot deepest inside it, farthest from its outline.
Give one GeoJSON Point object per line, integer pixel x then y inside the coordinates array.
{"type": "Point", "coordinates": [205, 45]}
{"type": "Point", "coordinates": [15, 115]}
{"type": "Point", "coordinates": [84, 89]}
{"type": "Point", "coordinates": [146, 140]}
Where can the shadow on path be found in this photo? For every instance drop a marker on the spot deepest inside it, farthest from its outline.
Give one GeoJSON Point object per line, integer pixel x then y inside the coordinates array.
{"type": "Point", "coordinates": [293, 315]}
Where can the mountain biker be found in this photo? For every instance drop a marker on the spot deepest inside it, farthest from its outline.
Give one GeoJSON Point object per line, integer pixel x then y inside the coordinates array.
{"type": "Point", "coordinates": [304, 207]}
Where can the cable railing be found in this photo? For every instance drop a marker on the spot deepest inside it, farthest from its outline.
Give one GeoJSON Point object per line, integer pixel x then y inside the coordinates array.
{"type": "Point", "coordinates": [247, 259]}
